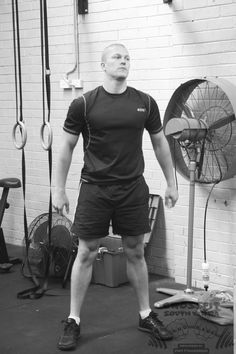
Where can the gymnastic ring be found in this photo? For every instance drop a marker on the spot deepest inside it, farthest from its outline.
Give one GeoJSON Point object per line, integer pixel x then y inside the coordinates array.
{"type": "Point", "coordinates": [50, 136]}
{"type": "Point", "coordinates": [23, 134]}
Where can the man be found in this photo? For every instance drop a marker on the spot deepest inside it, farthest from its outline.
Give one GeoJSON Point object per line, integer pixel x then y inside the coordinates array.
{"type": "Point", "coordinates": [111, 119]}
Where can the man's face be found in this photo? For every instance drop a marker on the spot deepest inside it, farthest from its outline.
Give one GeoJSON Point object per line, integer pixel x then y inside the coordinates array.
{"type": "Point", "coordinates": [116, 63]}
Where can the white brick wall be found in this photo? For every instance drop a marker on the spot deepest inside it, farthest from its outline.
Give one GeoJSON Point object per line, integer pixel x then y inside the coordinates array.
{"type": "Point", "coordinates": [168, 45]}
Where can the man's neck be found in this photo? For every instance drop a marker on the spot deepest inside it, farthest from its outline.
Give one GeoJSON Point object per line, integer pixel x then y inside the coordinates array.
{"type": "Point", "coordinates": [117, 87]}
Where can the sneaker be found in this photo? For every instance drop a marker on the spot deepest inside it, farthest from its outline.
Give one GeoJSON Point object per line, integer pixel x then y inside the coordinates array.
{"type": "Point", "coordinates": [70, 336]}
{"type": "Point", "coordinates": [153, 324]}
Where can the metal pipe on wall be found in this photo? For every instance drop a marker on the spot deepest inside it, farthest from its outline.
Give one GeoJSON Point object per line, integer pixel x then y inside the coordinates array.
{"type": "Point", "coordinates": [77, 83]}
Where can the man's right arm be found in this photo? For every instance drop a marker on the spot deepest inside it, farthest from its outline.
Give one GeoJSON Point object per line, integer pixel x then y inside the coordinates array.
{"type": "Point", "coordinates": [68, 143]}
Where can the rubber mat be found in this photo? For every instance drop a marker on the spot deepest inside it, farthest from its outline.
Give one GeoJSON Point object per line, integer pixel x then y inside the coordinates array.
{"type": "Point", "coordinates": [109, 322]}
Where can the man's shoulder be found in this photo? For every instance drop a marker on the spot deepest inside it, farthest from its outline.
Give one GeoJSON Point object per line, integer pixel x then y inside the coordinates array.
{"type": "Point", "coordinates": [140, 95]}
{"type": "Point", "coordinates": [89, 98]}
{"type": "Point", "coordinates": [138, 92]}
{"type": "Point", "coordinates": [92, 92]}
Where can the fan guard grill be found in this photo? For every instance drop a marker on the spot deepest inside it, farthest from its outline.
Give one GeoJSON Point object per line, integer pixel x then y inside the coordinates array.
{"type": "Point", "coordinates": [206, 101]}
{"type": "Point", "coordinates": [62, 243]}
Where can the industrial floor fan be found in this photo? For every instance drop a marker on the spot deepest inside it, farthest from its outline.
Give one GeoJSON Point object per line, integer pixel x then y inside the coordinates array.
{"type": "Point", "coordinates": [200, 127]}
{"type": "Point", "coordinates": [62, 245]}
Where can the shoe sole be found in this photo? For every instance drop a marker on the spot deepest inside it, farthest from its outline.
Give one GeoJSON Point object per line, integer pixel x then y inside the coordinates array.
{"type": "Point", "coordinates": [68, 348]}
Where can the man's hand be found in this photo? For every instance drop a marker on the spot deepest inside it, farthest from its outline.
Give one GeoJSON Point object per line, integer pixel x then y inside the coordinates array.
{"type": "Point", "coordinates": [171, 196]}
{"type": "Point", "coordinates": [60, 201]}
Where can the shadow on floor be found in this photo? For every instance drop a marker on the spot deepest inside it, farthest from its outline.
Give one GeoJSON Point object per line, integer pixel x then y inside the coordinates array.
{"type": "Point", "coordinates": [109, 321]}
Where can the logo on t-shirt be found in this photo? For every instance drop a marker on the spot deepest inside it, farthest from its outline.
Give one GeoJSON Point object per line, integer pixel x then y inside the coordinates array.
{"type": "Point", "coordinates": [141, 109]}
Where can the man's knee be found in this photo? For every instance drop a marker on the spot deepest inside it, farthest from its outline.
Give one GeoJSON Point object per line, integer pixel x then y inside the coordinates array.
{"type": "Point", "coordinates": [133, 248]}
{"type": "Point", "coordinates": [87, 251]}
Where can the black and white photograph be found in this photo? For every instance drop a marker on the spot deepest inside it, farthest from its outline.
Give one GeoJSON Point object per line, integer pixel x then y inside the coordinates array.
{"type": "Point", "coordinates": [117, 176]}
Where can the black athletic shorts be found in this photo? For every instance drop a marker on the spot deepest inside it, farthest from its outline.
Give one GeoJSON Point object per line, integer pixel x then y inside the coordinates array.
{"type": "Point", "coordinates": [125, 206]}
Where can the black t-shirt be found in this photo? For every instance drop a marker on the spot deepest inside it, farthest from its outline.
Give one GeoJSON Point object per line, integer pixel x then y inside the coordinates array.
{"type": "Point", "coordinates": [112, 127]}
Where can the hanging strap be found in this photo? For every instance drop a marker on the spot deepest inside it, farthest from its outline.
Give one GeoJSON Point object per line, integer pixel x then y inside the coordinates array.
{"type": "Point", "coordinates": [45, 76]}
{"type": "Point", "coordinates": [38, 290]}
{"type": "Point", "coordinates": [18, 82]}
{"type": "Point", "coordinates": [20, 121]}
{"type": "Point", "coordinates": [46, 122]}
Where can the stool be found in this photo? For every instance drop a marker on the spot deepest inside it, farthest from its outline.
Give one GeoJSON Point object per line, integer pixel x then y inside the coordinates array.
{"type": "Point", "coordinates": [6, 184]}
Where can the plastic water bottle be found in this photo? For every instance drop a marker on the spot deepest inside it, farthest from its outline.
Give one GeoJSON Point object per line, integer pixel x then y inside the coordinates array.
{"type": "Point", "coordinates": [205, 275]}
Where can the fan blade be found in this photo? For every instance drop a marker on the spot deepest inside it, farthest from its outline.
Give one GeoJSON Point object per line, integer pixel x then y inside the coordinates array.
{"type": "Point", "coordinates": [222, 122]}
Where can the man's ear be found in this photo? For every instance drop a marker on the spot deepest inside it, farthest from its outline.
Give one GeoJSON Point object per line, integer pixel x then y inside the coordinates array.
{"type": "Point", "coordinates": [103, 66]}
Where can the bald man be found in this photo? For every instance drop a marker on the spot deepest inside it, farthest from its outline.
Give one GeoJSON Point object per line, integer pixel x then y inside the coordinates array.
{"type": "Point", "coordinates": [112, 119]}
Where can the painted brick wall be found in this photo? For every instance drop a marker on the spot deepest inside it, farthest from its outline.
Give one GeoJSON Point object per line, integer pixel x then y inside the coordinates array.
{"type": "Point", "coordinates": [168, 45]}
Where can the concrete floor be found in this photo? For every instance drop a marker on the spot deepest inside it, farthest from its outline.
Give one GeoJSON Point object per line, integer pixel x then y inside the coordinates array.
{"type": "Point", "coordinates": [109, 321]}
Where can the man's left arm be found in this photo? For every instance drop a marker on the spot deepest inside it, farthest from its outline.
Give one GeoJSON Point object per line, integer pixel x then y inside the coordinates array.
{"type": "Point", "coordinates": [163, 155]}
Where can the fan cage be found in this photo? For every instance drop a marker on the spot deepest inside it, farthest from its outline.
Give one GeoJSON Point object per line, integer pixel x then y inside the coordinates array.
{"type": "Point", "coordinates": [39, 248]}
{"type": "Point", "coordinates": [207, 101]}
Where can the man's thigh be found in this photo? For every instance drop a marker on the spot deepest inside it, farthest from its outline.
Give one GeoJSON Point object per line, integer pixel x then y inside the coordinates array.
{"type": "Point", "coordinates": [93, 213]}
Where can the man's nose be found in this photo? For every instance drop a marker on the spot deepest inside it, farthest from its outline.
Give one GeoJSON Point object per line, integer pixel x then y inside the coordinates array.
{"type": "Point", "coordinates": [123, 61]}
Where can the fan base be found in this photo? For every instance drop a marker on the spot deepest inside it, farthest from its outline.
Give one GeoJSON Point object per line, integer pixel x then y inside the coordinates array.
{"type": "Point", "coordinates": [5, 267]}
{"type": "Point", "coordinates": [178, 296]}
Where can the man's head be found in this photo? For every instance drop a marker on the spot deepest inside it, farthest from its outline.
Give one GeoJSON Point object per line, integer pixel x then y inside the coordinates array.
{"type": "Point", "coordinates": [115, 61]}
